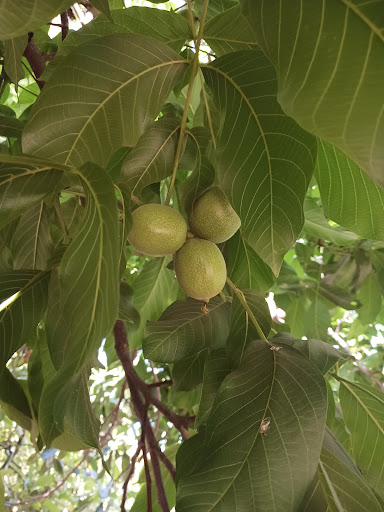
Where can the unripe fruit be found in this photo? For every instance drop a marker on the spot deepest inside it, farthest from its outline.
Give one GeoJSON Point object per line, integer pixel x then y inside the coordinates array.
{"type": "Point", "coordinates": [157, 230]}
{"type": "Point", "coordinates": [212, 217]}
{"type": "Point", "coordinates": [200, 269]}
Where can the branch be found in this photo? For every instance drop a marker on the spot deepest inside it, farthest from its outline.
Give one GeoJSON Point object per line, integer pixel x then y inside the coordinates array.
{"type": "Point", "coordinates": [64, 25]}
{"type": "Point", "coordinates": [140, 407]}
{"type": "Point", "coordinates": [129, 476]}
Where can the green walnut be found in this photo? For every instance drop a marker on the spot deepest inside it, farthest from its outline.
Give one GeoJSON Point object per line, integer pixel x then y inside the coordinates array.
{"type": "Point", "coordinates": [157, 230]}
{"type": "Point", "coordinates": [212, 217]}
{"type": "Point", "coordinates": [200, 269]}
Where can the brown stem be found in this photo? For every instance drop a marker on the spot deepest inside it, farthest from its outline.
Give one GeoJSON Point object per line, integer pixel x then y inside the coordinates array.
{"type": "Point", "coordinates": [140, 407]}
{"type": "Point", "coordinates": [36, 60]}
{"type": "Point", "coordinates": [64, 25]}
{"type": "Point", "coordinates": [129, 476]}
{"type": "Point", "coordinates": [148, 480]}
{"type": "Point", "coordinates": [160, 383]}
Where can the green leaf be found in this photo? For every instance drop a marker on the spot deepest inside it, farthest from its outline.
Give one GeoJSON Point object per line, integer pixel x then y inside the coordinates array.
{"type": "Point", "coordinates": [264, 160]}
{"type": "Point", "coordinates": [164, 26]}
{"type": "Point", "coordinates": [217, 367]}
{"type": "Point", "coordinates": [343, 489]}
{"type": "Point", "coordinates": [27, 15]}
{"type": "Point", "coordinates": [24, 182]}
{"type": "Point", "coordinates": [14, 400]}
{"type": "Point", "coordinates": [13, 52]}
{"type": "Point", "coordinates": [245, 268]}
{"type": "Point", "coordinates": [10, 126]}
{"type": "Point", "coordinates": [370, 298]}
{"type": "Point", "coordinates": [87, 289]}
{"type": "Point", "coordinates": [317, 318]}
{"type": "Point", "coordinates": [287, 389]}
{"type": "Point", "coordinates": [184, 330]}
{"type": "Point", "coordinates": [203, 174]}
{"type": "Point", "coordinates": [20, 317]}
{"type": "Point", "coordinates": [317, 225]}
{"type": "Point", "coordinates": [242, 330]}
{"type": "Point", "coordinates": [295, 314]}
{"type": "Point", "coordinates": [325, 55]}
{"type": "Point", "coordinates": [323, 355]}
{"type": "Point", "coordinates": [360, 203]}
{"type": "Point", "coordinates": [32, 244]}
{"type": "Point", "coordinates": [151, 160]}
{"type": "Point", "coordinates": [154, 289]}
{"type": "Point", "coordinates": [118, 77]}
{"type": "Point", "coordinates": [103, 6]}
{"type": "Point", "coordinates": [189, 371]}
{"type": "Point", "coordinates": [363, 411]}
{"type": "Point", "coordinates": [228, 32]}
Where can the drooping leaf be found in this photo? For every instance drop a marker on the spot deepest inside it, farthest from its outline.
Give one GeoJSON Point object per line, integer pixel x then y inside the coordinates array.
{"type": "Point", "coordinates": [323, 355]}
{"type": "Point", "coordinates": [27, 15]}
{"type": "Point", "coordinates": [217, 367]}
{"type": "Point", "coordinates": [87, 288]}
{"type": "Point", "coordinates": [228, 32]}
{"type": "Point", "coordinates": [152, 158]}
{"type": "Point", "coordinates": [24, 182]}
{"type": "Point", "coordinates": [287, 389]}
{"type": "Point", "coordinates": [317, 318]}
{"type": "Point", "coordinates": [184, 330]}
{"type": "Point", "coordinates": [245, 268]}
{"type": "Point", "coordinates": [127, 312]}
{"type": "Point", "coordinates": [363, 411]}
{"type": "Point", "coordinates": [242, 330]}
{"type": "Point", "coordinates": [370, 298]}
{"type": "Point", "coordinates": [13, 52]}
{"type": "Point", "coordinates": [343, 489]}
{"type": "Point", "coordinates": [263, 160]}
{"type": "Point", "coordinates": [154, 289]}
{"type": "Point", "coordinates": [325, 54]}
{"type": "Point", "coordinates": [162, 25]}
{"type": "Point", "coordinates": [20, 317]}
{"type": "Point", "coordinates": [32, 243]}
{"type": "Point", "coordinates": [10, 126]}
{"type": "Point", "coordinates": [360, 203]}
{"type": "Point", "coordinates": [317, 225]}
{"type": "Point", "coordinates": [118, 77]}
{"type": "Point", "coordinates": [14, 400]}
{"type": "Point", "coordinates": [295, 314]}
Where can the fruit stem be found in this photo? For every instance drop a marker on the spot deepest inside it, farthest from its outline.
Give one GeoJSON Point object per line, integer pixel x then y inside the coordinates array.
{"type": "Point", "coordinates": [194, 70]}
{"type": "Point", "coordinates": [240, 295]}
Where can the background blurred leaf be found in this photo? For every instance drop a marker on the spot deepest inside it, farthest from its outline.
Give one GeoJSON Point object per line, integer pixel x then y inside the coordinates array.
{"type": "Point", "coordinates": [360, 207]}
{"type": "Point", "coordinates": [13, 52]}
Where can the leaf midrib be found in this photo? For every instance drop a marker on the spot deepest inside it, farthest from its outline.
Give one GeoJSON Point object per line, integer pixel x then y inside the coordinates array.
{"type": "Point", "coordinates": [111, 95]}
{"type": "Point", "coordinates": [246, 100]}
{"type": "Point", "coordinates": [256, 436]}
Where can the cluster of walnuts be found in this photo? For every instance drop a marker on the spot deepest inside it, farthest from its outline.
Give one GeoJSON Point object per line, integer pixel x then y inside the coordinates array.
{"type": "Point", "coordinates": [159, 230]}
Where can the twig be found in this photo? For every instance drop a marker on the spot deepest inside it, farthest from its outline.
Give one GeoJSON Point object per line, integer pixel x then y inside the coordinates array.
{"type": "Point", "coordinates": [194, 70]}
{"type": "Point", "coordinates": [114, 413]}
{"type": "Point", "coordinates": [60, 484]}
{"type": "Point", "coordinates": [167, 463]}
{"type": "Point", "coordinates": [161, 383]}
{"type": "Point", "coordinates": [140, 407]}
{"type": "Point", "coordinates": [129, 476]}
{"type": "Point", "coordinates": [64, 25]}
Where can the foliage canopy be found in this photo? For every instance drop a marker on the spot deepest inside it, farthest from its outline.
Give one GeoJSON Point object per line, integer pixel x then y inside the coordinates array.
{"type": "Point", "coordinates": [116, 389]}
